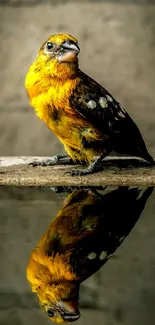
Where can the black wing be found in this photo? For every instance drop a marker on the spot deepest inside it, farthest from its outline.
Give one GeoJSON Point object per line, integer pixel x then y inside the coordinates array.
{"type": "Point", "coordinates": [103, 112]}
{"type": "Point", "coordinates": [115, 214]}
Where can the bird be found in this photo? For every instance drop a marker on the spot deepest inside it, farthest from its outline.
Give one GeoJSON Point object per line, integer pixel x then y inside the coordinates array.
{"type": "Point", "coordinates": [83, 114]}
{"type": "Point", "coordinates": [84, 234]}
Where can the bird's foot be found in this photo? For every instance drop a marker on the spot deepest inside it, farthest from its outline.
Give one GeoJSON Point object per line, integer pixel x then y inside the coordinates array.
{"type": "Point", "coordinates": [43, 163]}
{"type": "Point", "coordinates": [92, 168]}
{"type": "Point", "coordinates": [79, 172]}
{"type": "Point", "coordinates": [70, 189]}
{"type": "Point", "coordinates": [55, 160]}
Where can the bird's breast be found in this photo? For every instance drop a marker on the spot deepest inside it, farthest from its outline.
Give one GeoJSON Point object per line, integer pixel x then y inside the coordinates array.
{"type": "Point", "coordinates": [72, 129]}
{"type": "Point", "coordinates": [60, 118]}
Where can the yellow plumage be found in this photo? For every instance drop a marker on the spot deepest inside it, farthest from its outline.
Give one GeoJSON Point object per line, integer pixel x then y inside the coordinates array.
{"type": "Point", "coordinates": [83, 115]}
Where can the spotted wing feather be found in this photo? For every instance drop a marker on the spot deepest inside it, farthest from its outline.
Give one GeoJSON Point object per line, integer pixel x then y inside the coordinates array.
{"type": "Point", "coordinates": [115, 214]}
{"type": "Point", "coordinates": [103, 112]}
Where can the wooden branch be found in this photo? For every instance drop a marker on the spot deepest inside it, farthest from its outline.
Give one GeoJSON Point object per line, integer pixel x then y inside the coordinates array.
{"type": "Point", "coordinates": [116, 171]}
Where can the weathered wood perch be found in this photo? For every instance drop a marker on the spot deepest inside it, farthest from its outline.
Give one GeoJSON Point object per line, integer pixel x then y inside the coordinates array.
{"type": "Point", "coordinates": [116, 171]}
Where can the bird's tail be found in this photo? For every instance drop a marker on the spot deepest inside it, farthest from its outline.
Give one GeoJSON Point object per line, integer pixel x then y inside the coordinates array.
{"type": "Point", "coordinates": [146, 156]}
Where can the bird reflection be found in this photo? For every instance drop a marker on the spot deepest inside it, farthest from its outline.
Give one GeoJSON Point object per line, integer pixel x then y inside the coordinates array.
{"type": "Point", "coordinates": [87, 230]}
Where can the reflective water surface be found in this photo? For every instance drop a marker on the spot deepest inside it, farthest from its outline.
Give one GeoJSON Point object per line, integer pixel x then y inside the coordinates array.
{"type": "Point", "coordinates": [94, 244]}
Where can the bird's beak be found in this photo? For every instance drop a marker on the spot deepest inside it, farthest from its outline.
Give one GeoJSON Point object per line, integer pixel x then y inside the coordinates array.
{"type": "Point", "coordinates": [71, 47]}
{"type": "Point", "coordinates": [68, 52]}
{"type": "Point", "coordinates": [70, 310]}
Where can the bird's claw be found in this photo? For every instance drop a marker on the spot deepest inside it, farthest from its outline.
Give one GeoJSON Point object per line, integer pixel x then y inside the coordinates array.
{"type": "Point", "coordinates": [78, 172]}
{"type": "Point", "coordinates": [48, 162]}
{"type": "Point", "coordinates": [34, 164]}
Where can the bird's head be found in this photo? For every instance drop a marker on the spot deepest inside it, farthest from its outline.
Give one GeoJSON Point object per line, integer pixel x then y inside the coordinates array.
{"type": "Point", "coordinates": [58, 56]}
{"type": "Point", "coordinates": [61, 47]}
{"type": "Point", "coordinates": [58, 294]}
{"type": "Point", "coordinates": [60, 301]}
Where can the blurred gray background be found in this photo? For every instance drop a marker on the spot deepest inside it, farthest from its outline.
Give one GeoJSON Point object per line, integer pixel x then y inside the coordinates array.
{"type": "Point", "coordinates": [117, 40]}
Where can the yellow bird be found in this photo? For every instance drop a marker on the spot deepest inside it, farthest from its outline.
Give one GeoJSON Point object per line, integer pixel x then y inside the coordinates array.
{"type": "Point", "coordinates": [83, 115]}
{"type": "Point", "coordinates": [80, 239]}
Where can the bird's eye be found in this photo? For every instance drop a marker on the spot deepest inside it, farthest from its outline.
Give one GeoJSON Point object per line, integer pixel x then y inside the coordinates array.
{"type": "Point", "coordinates": [49, 46]}
{"type": "Point", "coordinates": [50, 312]}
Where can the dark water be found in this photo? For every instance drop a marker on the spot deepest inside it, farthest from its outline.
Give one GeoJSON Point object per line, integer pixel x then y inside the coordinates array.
{"type": "Point", "coordinates": [111, 228]}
